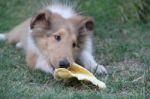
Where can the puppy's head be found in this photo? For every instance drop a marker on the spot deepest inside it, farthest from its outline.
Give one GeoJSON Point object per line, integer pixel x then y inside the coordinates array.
{"type": "Point", "coordinates": [60, 40]}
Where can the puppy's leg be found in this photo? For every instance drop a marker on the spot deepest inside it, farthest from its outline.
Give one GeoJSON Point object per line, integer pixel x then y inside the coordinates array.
{"type": "Point", "coordinates": [2, 37]}
{"type": "Point", "coordinates": [11, 37]}
{"type": "Point", "coordinates": [19, 45]}
{"type": "Point", "coordinates": [35, 61]}
{"type": "Point", "coordinates": [16, 33]}
{"type": "Point", "coordinates": [31, 59]}
{"type": "Point", "coordinates": [88, 61]}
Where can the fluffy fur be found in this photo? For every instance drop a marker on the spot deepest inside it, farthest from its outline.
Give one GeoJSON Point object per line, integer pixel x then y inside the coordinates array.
{"type": "Point", "coordinates": [54, 33]}
{"type": "Point", "coordinates": [2, 37]}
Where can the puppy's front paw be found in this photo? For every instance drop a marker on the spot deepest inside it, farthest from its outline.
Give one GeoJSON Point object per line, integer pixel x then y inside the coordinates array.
{"type": "Point", "coordinates": [19, 45]}
{"type": "Point", "coordinates": [100, 69]}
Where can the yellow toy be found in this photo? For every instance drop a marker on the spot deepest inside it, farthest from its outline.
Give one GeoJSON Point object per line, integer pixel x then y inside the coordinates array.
{"type": "Point", "coordinates": [76, 71]}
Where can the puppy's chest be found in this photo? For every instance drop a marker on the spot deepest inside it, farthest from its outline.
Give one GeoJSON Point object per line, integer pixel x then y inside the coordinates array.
{"type": "Point", "coordinates": [43, 65]}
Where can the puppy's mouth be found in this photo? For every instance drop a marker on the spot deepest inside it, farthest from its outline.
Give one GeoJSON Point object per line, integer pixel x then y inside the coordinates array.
{"type": "Point", "coordinates": [56, 66]}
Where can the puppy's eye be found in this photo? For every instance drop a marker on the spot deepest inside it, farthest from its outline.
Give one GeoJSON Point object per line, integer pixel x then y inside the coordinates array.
{"type": "Point", "coordinates": [74, 45]}
{"type": "Point", "coordinates": [57, 37]}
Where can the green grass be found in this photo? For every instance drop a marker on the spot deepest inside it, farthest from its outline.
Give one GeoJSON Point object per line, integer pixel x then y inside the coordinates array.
{"type": "Point", "coordinates": [123, 48]}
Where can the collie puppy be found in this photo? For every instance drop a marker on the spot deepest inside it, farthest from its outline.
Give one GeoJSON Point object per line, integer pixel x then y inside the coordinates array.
{"type": "Point", "coordinates": [56, 37]}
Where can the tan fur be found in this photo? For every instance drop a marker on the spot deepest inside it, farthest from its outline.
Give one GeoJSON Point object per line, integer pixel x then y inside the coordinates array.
{"type": "Point", "coordinates": [46, 27]}
{"type": "Point", "coordinates": [15, 34]}
{"type": "Point", "coordinates": [55, 50]}
{"type": "Point", "coordinates": [31, 59]}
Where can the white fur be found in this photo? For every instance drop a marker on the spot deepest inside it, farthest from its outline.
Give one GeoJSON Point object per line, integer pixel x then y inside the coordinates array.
{"type": "Point", "coordinates": [41, 61]}
{"type": "Point", "coordinates": [2, 37]}
{"type": "Point", "coordinates": [89, 45]}
{"type": "Point", "coordinates": [19, 45]}
{"type": "Point", "coordinates": [63, 10]}
{"type": "Point", "coordinates": [42, 65]}
{"type": "Point", "coordinates": [88, 60]}
{"type": "Point", "coordinates": [30, 44]}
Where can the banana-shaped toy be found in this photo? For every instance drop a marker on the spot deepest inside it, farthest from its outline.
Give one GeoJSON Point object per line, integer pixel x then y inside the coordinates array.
{"type": "Point", "coordinates": [77, 71]}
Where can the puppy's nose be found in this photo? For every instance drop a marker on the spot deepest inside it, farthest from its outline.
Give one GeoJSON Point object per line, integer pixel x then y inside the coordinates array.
{"type": "Point", "coordinates": [64, 63]}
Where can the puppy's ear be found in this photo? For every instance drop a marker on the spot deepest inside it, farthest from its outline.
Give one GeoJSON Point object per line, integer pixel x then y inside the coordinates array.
{"type": "Point", "coordinates": [84, 27]}
{"type": "Point", "coordinates": [86, 24]}
{"type": "Point", "coordinates": [83, 24]}
{"type": "Point", "coordinates": [41, 20]}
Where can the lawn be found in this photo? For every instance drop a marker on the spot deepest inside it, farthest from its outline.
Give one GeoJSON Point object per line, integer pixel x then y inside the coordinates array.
{"type": "Point", "coordinates": [124, 48]}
